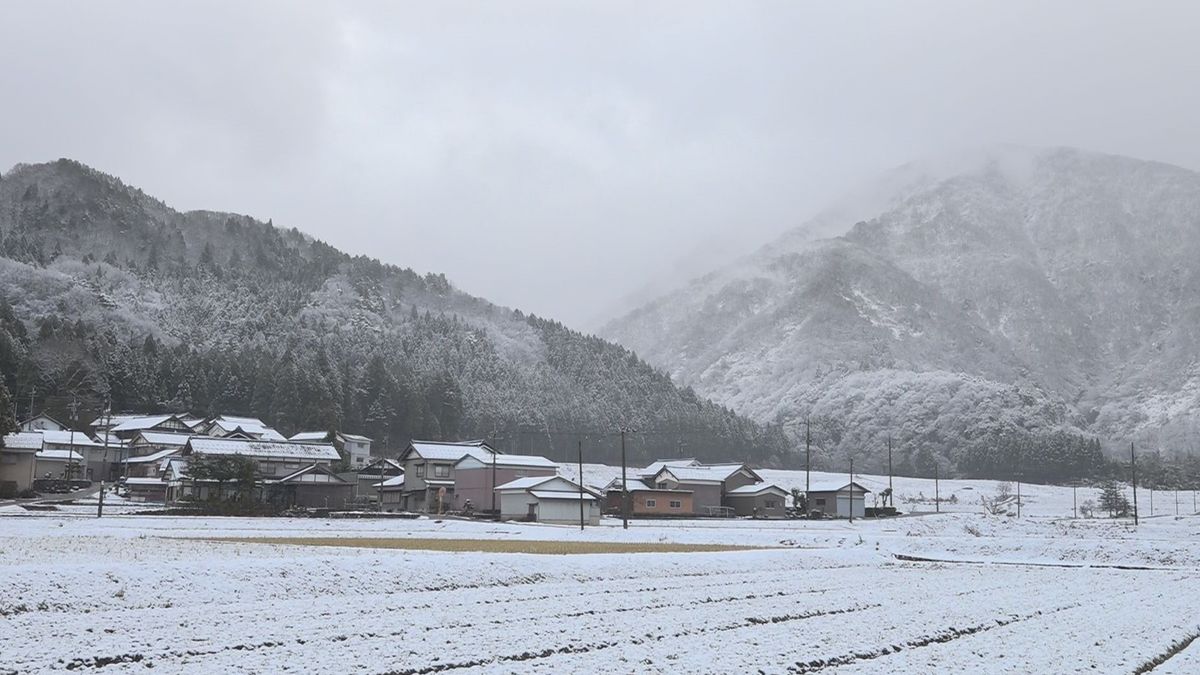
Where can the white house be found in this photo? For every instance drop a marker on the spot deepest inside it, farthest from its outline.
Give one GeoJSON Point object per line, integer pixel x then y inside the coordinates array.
{"type": "Point", "coordinates": [838, 499]}
{"type": "Point", "coordinates": [17, 462]}
{"type": "Point", "coordinates": [547, 499]}
{"type": "Point", "coordinates": [42, 422]}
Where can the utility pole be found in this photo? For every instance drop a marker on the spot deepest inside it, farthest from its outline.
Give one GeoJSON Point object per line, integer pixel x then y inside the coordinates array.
{"type": "Point", "coordinates": [1074, 500]}
{"type": "Point", "coordinates": [1018, 497]}
{"type": "Point", "coordinates": [71, 448]}
{"type": "Point", "coordinates": [1152, 499]}
{"type": "Point", "coordinates": [1133, 479]}
{"type": "Point", "coordinates": [580, 484]}
{"type": "Point", "coordinates": [624, 486]}
{"type": "Point", "coordinates": [107, 424]}
{"type": "Point", "coordinates": [382, 460]}
{"type": "Point", "coordinates": [937, 494]}
{"type": "Point", "coordinates": [495, 513]}
{"type": "Point", "coordinates": [852, 490]}
{"type": "Point", "coordinates": [32, 392]}
{"type": "Point", "coordinates": [808, 456]}
{"type": "Point", "coordinates": [890, 463]}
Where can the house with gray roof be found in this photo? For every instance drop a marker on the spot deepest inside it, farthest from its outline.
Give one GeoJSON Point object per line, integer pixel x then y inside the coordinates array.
{"type": "Point", "coordinates": [429, 472]}
{"type": "Point", "coordinates": [548, 499]}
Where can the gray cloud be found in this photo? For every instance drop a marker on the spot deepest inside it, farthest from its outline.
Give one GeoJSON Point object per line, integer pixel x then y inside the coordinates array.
{"type": "Point", "coordinates": [563, 157]}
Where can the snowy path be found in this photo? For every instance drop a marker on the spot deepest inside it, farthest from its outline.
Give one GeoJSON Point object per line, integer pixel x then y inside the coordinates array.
{"type": "Point", "coordinates": [86, 596]}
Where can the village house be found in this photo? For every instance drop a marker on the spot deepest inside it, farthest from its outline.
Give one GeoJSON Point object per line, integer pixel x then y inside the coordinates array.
{"type": "Point", "coordinates": [95, 463]}
{"type": "Point", "coordinates": [356, 449]}
{"type": "Point", "coordinates": [547, 499]}
{"type": "Point", "coordinates": [229, 426]}
{"type": "Point", "coordinates": [58, 464]}
{"type": "Point", "coordinates": [42, 422]}
{"type": "Point", "coordinates": [708, 483]}
{"type": "Point", "coordinates": [647, 501]}
{"type": "Point", "coordinates": [429, 472]}
{"type": "Point", "coordinates": [838, 499]}
{"type": "Point", "coordinates": [391, 492]}
{"type": "Point", "coordinates": [761, 500]}
{"type": "Point", "coordinates": [475, 477]}
{"type": "Point", "coordinates": [129, 426]}
{"type": "Point", "coordinates": [366, 480]}
{"type": "Point", "coordinates": [18, 463]}
{"type": "Point", "coordinates": [282, 468]}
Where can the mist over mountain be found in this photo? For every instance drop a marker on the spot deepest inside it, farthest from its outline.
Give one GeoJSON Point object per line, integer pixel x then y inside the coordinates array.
{"type": "Point", "coordinates": [1022, 298]}
{"type": "Point", "coordinates": [108, 292]}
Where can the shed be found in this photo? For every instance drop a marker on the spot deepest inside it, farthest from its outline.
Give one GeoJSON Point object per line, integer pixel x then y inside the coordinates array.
{"type": "Point", "coordinates": [547, 499]}
{"type": "Point", "coordinates": [765, 500]}
{"type": "Point", "coordinates": [836, 499]}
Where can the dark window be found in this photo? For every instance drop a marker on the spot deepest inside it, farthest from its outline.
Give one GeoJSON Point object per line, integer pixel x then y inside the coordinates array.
{"type": "Point", "coordinates": [650, 503]}
{"type": "Point", "coordinates": [676, 504]}
{"type": "Point", "coordinates": [441, 470]}
{"type": "Point", "coordinates": [772, 504]}
{"type": "Point", "coordinates": [819, 502]}
{"type": "Point", "coordinates": [420, 471]}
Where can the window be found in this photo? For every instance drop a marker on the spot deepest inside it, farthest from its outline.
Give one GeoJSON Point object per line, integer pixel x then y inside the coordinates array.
{"type": "Point", "coordinates": [772, 504]}
{"type": "Point", "coordinates": [441, 470]}
{"type": "Point", "coordinates": [651, 503]}
{"type": "Point", "coordinates": [420, 471]}
{"type": "Point", "coordinates": [675, 504]}
{"type": "Point", "coordinates": [819, 502]}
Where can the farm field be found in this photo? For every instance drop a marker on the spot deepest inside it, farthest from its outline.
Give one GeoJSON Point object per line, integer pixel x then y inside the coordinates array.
{"type": "Point", "coordinates": [941, 593]}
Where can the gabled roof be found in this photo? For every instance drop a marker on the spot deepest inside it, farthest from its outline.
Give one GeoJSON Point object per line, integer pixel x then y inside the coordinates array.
{"type": "Point", "coordinates": [261, 449]}
{"type": "Point", "coordinates": [74, 439]}
{"type": "Point", "coordinates": [835, 486]}
{"type": "Point", "coordinates": [705, 473]}
{"type": "Point", "coordinates": [164, 437]}
{"type": "Point", "coordinates": [23, 441]}
{"type": "Point", "coordinates": [139, 423]}
{"type": "Point", "coordinates": [529, 461]}
{"type": "Point", "coordinates": [154, 457]}
{"type": "Point", "coordinates": [357, 438]}
{"type": "Point", "coordinates": [756, 489]}
{"type": "Point", "coordinates": [448, 451]}
{"type": "Point", "coordinates": [374, 466]}
{"type": "Point", "coordinates": [312, 468]}
{"type": "Point", "coordinates": [586, 495]}
{"type": "Point", "coordinates": [658, 465]}
{"type": "Point", "coordinates": [112, 439]}
{"type": "Point", "coordinates": [525, 483]}
{"type": "Point", "coordinates": [41, 416]}
{"type": "Point", "coordinates": [250, 426]}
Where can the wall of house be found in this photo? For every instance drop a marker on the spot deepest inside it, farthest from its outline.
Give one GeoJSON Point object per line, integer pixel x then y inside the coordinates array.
{"type": "Point", "coordinates": [837, 504]}
{"type": "Point", "coordinates": [658, 502]}
{"type": "Point", "coordinates": [17, 468]}
{"type": "Point", "coordinates": [703, 495]}
{"type": "Point", "coordinates": [322, 495]}
{"type": "Point", "coordinates": [566, 512]}
{"type": "Point", "coordinates": [825, 502]}
{"type": "Point", "coordinates": [737, 480]}
{"type": "Point", "coordinates": [476, 483]}
{"type": "Point", "coordinates": [515, 505]}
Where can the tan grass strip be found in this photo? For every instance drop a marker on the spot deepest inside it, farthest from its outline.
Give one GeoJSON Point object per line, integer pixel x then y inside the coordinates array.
{"type": "Point", "coordinates": [487, 545]}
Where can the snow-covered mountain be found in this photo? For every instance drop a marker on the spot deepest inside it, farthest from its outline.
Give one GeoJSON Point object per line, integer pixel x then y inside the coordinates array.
{"type": "Point", "coordinates": [1015, 291]}
{"type": "Point", "coordinates": [105, 291]}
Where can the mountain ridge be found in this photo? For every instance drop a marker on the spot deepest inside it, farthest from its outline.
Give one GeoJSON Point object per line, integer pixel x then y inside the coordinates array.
{"type": "Point", "coordinates": [1054, 272]}
{"type": "Point", "coordinates": [108, 292]}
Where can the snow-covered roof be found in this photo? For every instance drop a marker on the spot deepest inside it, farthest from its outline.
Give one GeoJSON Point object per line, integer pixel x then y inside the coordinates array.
{"type": "Point", "coordinates": [111, 438]}
{"type": "Point", "coordinates": [452, 452]}
{"type": "Point", "coordinates": [439, 482]}
{"type": "Point", "coordinates": [396, 482]}
{"type": "Point", "coordinates": [139, 423]}
{"type": "Point", "coordinates": [638, 485]}
{"type": "Point", "coordinates": [76, 439]}
{"type": "Point", "coordinates": [354, 437]}
{"type": "Point", "coordinates": [658, 465]}
{"type": "Point", "coordinates": [165, 437]}
{"type": "Point", "coordinates": [310, 436]}
{"type": "Point", "coordinates": [554, 494]}
{"type": "Point", "coordinates": [309, 469]}
{"type": "Point", "coordinates": [25, 440]}
{"type": "Point", "coordinates": [525, 483]}
{"type": "Point", "coordinates": [143, 459]}
{"type": "Point", "coordinates": [262, 449]}
{"type": "Point", "coordinates": [144, 481]}
{"type": "Point", "coordinates": [534, 461]}
{"type": "Point", "coordinates": [694, 474]}
{"type": "Point", "coordinates": [251, 426]}
{"type": "Point", "coordinates": [374, 466]}
{"type": "Point", "coordinates": [59, 455]}
{"type": "Point", "coordinates": [756, 489]}
{"type": "Point", "coordinates": [834, 486]}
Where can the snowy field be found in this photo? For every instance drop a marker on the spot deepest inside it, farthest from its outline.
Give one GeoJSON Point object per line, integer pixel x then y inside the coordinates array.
{"type": "Point", "coordinates": [956, 592]}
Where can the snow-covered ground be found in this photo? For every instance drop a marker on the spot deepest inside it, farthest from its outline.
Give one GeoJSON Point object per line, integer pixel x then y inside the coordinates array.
{"type": "Point", "coordinates": [952, 592]}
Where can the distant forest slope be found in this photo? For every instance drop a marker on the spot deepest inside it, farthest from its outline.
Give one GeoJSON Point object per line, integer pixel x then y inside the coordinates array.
{"type": "Point", "coordinates": [107, 292]}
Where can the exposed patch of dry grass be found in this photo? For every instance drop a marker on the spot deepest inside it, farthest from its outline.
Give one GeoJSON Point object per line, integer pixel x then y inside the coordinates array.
{"type": "Point", "coordinates": [487, 545]}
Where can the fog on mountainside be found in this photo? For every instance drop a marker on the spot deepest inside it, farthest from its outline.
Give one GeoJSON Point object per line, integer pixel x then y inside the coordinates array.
{"type": "Point", "coordinates": [1017, 298]}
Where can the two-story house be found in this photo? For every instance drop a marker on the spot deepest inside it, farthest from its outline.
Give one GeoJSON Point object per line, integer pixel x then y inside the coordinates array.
{"type": "Point", "coordinates": [355, 448]}
{"type": "Point", "coordinates": [429, 472]}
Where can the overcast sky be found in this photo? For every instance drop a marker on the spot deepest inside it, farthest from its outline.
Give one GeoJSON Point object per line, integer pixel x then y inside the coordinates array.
{"type": "Point", "coordinates": [566, 157]}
